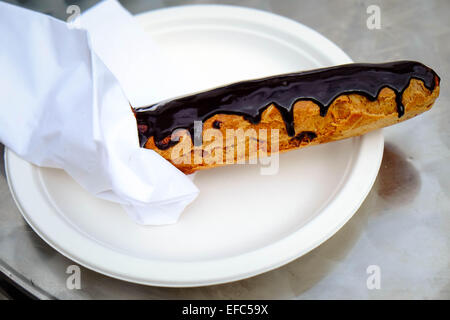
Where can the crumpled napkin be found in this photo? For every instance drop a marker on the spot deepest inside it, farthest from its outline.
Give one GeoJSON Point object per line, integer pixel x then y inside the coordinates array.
{"type": "Point", "coordinates": [62, 107]}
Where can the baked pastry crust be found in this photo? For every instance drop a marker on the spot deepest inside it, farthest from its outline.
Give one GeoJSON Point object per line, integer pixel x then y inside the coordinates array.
{"type": "Point", "coordinates": [349, 115]}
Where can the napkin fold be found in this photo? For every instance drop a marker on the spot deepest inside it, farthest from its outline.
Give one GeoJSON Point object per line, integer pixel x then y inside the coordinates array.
{"type": "Point", "coordinates": [146, 74]}
{"type": "Point", "coordinates": [61, 106]}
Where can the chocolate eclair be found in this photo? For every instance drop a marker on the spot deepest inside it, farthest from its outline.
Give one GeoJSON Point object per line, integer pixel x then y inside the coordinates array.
{"type": "Point", "coordinates": [241, 121]}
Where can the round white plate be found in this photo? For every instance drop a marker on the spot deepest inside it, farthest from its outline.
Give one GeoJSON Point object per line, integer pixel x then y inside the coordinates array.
{"type": "Point", "coordinates": [243, 223]}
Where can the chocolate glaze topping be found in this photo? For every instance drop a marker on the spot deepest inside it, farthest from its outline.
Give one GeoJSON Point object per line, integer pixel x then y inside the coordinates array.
{"type": "Point", "coordinates": [251, 98]}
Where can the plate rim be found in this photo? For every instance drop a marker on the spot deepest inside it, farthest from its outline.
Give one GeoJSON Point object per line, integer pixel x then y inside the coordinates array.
{"type": "Point", "coordinates": [372, 142]}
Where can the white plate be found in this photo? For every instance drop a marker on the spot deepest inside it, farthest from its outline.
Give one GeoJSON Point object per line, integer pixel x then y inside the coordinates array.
{"type": "Point", "coordinates": [243, 223]}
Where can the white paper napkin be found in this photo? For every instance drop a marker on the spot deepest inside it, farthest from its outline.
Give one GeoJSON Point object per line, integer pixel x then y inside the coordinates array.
{"type": "Point", "coordinates": [61, 107]}
{"type": "Point", "coordinates": [146, 74]}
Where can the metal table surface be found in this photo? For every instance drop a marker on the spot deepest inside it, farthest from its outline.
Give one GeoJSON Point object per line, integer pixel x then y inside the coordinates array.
{"type": "Point", "coordinates": [403, 227]}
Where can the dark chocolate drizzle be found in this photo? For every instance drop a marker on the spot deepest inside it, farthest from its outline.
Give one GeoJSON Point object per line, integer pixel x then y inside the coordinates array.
{"type": "Point", "coordinates": [251, 98]}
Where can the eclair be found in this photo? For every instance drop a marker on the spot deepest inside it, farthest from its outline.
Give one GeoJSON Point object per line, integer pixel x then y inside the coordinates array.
{"type": "Point", "coordinates": [240, 122]}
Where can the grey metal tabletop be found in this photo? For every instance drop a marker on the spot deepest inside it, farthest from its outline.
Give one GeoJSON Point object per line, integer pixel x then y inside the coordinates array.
{"type": "Point", "coordinates": [403, 227]}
